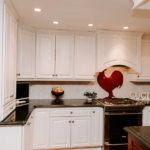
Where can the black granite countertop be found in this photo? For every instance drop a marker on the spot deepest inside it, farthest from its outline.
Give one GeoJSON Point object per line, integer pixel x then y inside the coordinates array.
{"type": "Point", "coordinates": [141, 133]}
{"type": "Point", "coordinates": [22, 112]}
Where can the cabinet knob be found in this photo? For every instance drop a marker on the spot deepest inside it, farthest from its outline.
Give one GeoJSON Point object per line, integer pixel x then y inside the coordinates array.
{"type": "Point", "coordinates": [94, 75]}
{"type": "Point", "coordinates": [53, 75]}
{"type": "Point", "coordinates": [31, 116]}
{"type": "Point", "coordinates": [56, 75]}
{"type": "Point", "coordinates": [138, 76]}
{"type": "Point", "coordinates": [71, 112]}
{"type": "Point", "coordinates": [72, 121]}
{"type": "Point", "coordinates": [69, 121]}
{"type": "Point", "coordinates": [18, 74]}
{"type": "Point", "coordinates": [28, 123]}
{"type": "Point", "coordinates": [93, 111]}
{"type": "Point", "coordinates": [11, 107]}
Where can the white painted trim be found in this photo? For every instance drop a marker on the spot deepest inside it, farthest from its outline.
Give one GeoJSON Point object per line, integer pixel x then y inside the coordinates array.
{"type": "Point", "coordinates": [137, 3]}
{"type": "Point", "coordinates": [1, 54]}
{"type": "Point", "coordinates": [120, 33]}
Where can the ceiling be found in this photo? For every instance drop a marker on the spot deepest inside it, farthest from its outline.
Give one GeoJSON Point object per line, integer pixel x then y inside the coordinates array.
{"type": "Point", "coordinates": [77, 14]}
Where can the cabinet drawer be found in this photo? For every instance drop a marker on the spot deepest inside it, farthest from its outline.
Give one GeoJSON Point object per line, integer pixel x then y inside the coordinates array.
{"type": "Point", "coordinates": [9, 108]}
{"type": "Point", "coordinates": [80, 111]}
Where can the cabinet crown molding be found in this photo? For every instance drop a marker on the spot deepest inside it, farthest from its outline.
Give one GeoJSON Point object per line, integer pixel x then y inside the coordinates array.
{"type": "Point", "coordinates": [119, 33]}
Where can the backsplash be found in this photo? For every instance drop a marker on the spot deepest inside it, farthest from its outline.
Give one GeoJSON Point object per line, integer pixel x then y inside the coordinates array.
{"type": "Point", "coordinates": [75, 90]}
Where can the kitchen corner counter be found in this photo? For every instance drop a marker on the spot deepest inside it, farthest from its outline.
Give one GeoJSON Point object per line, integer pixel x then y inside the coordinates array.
{"type": "Point", "coordinates": [141, 133]}
{"type": "Point", "coordinates": [23, 111]}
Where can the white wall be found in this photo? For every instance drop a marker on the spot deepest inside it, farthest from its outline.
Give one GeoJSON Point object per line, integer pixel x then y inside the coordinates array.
{"type": "Point", "coordinates": [75, 90]}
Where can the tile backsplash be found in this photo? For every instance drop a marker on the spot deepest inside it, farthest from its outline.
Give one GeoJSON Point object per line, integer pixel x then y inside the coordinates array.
{"type": "Point", "coordinates": [75, 90]}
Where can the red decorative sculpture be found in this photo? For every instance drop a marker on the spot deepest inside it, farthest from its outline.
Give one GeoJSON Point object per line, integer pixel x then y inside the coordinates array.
{"type": "Point", "coordinates": [109, 84]}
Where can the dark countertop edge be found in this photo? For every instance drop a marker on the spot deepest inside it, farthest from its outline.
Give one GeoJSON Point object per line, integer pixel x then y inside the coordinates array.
{"type": "Point", "coordinates": [127, 129]}
{"type": "Point", "coordinates": [21, 123]}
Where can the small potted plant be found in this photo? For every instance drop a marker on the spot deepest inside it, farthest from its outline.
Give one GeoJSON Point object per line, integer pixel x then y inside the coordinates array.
{"type": "Point", "coordinates": [90, 96]}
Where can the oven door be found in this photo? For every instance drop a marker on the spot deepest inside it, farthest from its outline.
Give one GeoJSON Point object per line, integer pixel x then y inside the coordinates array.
{"type": "Point", "coordinates": [116, 121]}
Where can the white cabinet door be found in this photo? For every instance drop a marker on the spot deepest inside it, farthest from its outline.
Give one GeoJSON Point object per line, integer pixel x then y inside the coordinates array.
{"type": "Point", "coordinates": [45, 56]}
{"type": "Point", "coordinates": [81, 131]}
{"type": "Point", "coordinates": [7, 57]}
{"type": "Point", "coordinates": [41, 128]}
{"type": "Point", "coordinates": [146, 116]}
{"type": "Point", "coordinates": [28, 134]}
{"type": "Point", "coordinates": [13, 58]}
{"type": "Point", "coordinates": [84, 58]}
{"type": "Point", "coordinates": [60, 132]}
{"type": "Point", "coordinates": [145, 61]}
{"type": "Point", "coordinates": [64, 57]}
{"type": "Point", "coordinates": [26, 54]}
{"type": "Point", "coordinates": [97, 126]}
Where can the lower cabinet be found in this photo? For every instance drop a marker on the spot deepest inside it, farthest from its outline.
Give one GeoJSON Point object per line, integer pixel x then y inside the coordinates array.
{"type": "Point", "coordinates": [81, 131]}
{"type": "Point", "coordinates": [146, 116]}
{"type": "Point", "coordinates": [70, 128]}
{"type": "Point", "coordinates": [41, 128]}
{"type": "Point", "coordinates": [60, 132]}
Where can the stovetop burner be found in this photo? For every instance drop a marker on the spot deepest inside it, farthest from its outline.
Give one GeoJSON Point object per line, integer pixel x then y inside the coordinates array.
{"type": "Point", "coordinates": [121, 104]}
{"type": "Point", "coordinates": [117, 101]}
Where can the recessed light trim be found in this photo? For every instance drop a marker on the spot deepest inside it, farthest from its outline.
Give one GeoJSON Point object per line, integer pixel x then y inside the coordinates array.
{"type": "Point", "coordinates": [37, 9]}
{"type": "Point", "coordinates": [126, 27]}
{"type": "Point", "coordinates": [55, 22]}
{"type": "Point", "coordinates": [90, 25]}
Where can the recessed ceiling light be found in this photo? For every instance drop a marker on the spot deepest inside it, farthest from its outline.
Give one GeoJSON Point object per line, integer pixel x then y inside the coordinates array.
{"type": "Point", "coordinates": [125, 27]}
{"type": "Point", "coordinates": [55, 22]}
{"type": "Point", "coordinates": [90, 25]}
{"type": "Point", "coordinates": [37, 9]}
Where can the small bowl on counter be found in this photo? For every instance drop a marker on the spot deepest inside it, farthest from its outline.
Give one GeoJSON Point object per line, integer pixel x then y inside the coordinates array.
{"type": "Point", "coordinates": [57, 94]}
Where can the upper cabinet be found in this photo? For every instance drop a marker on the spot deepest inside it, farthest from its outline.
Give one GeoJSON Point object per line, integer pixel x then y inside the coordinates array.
{"type": "Point", "coordinates": [118, 48]}
{"type": "Point", "coordinates": [64, 57]}
{"type": "Point", "coordinates": [45, 56]}
{"type": "Point", "coordinates": [84, 57]}
{"type": "Point", "coordinates": [144, 76]}
{"type": "Point", "coordinates": [26, 55]}
{"type": "Point", "coordinates": [8, 63]}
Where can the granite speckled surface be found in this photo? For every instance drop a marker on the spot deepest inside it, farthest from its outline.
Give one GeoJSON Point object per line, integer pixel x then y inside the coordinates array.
{"type": "Point", "coordinates": [22, 113]}
{"type": "Point", "coordinates": [141, 133]}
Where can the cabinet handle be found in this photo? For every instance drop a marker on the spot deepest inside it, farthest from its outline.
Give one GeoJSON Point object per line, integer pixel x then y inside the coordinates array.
{"type": "Point", "coordinates": [18, 74]}
{"type": "Point", "coordinates": [28, 123]}
{"type": "Point", "coordinates": [72, 121]}
{"type": "Point", "coordinates": [93, 111]}
{"type": "Point", "coordinates": [11, 107]}
{"type": "Point", "coordinates": [138, 76]}
{"type": "Point", "coordinates": [69, 121]}
{"type": "Point", "coordinates": [71, 112]}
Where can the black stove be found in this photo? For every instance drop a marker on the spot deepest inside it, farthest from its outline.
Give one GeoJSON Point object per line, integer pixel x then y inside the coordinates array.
{"type": "Point", "coordinates": [121, 104]}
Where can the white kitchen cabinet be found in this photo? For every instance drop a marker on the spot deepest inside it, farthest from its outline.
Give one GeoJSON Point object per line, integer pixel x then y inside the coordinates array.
{"type": "Point", "coordinates": [81, 131]}
{"type": "Point", "coordinates": [84, 58]}
{"type": "Point", "coordinates": [144, 76]}
{"type": "Point", "coordinates": [118, 48]}
{"type": "Point", "coordinates": [28, 132]}
{"type": "Point", "coordinates": [11, 137]}
{"type": "Point", "coordinates": [64, 57]}
{"type": "Point", "coordinates": [146, 116]}
{"type": "Point", "coordinates": [41, 128]}
{"type": "Point", "coordinates": [26, 54]}
{"type": "Point", "coordinates": [8, 64]}
{"type": "Point", "coordinates": [97, 126]}
{"type": "Point", "coordinates": [60, 132]}
{"type": "Point", "coordinates": [45, 56]}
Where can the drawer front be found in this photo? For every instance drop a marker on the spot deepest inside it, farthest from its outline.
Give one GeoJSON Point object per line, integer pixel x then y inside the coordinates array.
{"type": "Point", "coordinates": [80, 111]}
{"type": "Point", "coordinates": [9, 108]}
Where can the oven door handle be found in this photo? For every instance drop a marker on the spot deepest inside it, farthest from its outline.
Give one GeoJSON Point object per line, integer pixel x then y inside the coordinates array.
{"type": "Point", "coordinates": [116, 114]}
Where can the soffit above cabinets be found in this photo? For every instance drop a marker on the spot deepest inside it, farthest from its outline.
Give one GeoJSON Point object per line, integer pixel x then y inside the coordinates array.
{"type": "Point", "coordinates": [75, 15]}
